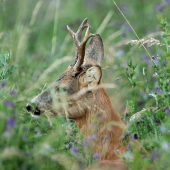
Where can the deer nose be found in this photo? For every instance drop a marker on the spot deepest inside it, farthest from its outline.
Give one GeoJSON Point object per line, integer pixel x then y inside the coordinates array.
{"type": "Point", "coordinates": [33, 109]}
{"type": "Point", "coordinates": [28, 107]}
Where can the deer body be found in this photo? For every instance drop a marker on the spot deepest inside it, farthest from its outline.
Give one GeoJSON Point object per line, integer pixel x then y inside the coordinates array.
{"type": "Point", "coordinates": [102, 107]}
{"type": "Point", "coordinates": [86, 100]}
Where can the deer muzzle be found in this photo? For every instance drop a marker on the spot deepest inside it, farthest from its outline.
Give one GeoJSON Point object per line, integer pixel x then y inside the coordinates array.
{"type": "Point", "coordinates": [40, 104]}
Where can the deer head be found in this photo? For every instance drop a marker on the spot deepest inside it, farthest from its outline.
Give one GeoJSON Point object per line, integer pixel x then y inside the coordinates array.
{"type": "Point", "coordinates": [84, 74]}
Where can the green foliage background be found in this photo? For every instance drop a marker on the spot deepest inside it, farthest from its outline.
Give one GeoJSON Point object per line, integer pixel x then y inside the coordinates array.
{"type": "Point", "coordinates": [38, 48]}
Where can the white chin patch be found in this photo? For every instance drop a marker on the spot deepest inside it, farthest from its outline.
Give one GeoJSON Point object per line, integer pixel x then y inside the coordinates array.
{"type": "Point", "coordinates": [35, 116]}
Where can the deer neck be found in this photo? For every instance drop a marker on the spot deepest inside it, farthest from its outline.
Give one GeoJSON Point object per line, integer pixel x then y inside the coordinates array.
{"type": "Point", "coordinates": [102, 126]}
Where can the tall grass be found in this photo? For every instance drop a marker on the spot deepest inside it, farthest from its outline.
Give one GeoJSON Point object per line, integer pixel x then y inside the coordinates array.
{"type": "Point", "coordinates": [34, 34]}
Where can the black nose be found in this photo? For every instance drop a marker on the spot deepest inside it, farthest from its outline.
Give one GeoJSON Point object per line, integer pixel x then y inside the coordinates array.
{"type": "Point", "coordinates": [37, 111]}
{"type": "Point", "coordinates": [28, 107]}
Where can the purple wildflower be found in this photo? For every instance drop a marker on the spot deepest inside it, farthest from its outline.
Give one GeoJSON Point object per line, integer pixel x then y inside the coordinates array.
{"type": "Point", "coordinates": [67, 146]}
{"type": "Point", "coordinates": [129, 29]}
{"type": "Point", "coordinates": [93, 137]}
{"type": "Point", "coordinates": [159, 91]}
{"type": "Point", "coordinates": [13, 93]}
{"type": "Point", "coordinates": [163, 70]}
{"type": "Point", "coordinates": [167, 110]}
{"type": "Point", "coordinates": [2, 84]}
{"type": "Point", "coordinates": [135, 136]}
{"type": "Point", "coordinates": [155, 74]}
{"type": "Point", "coordinates": [71, 143]}
{"type": "Point", "coordinates": [74, 149]}
{"type": "Point", "coordinates": [96, 155]}
{"type": "Point", "coordinates": [165, 2]}
{"type": "Point", "coordinates": [8, 103]}
{"type": "Point", "coordinates": [11, 122]}
{"type": "Point", "coordinates": [154, 58]}
{"type": "Point", "coordinates": [100, 116]}
{"type": "Point", "coordinates": [123, 35]}
{"type": "Point", "coordinates": [72, 132]}
{"type": "Point", "coordinates": [158, 55]}
{"type": "Point", "coordinates": [72, 121]}
{"type": "Point", "coordinates": [158, 122]}
{"type": "Point", "coordinates": [169, 81]}
{"type": "Point", "coordinates": [137, 123]}
{"type": "Point", "coordinates": [85, 143]}
{"type": "Point", "coordinates": [159, 8]}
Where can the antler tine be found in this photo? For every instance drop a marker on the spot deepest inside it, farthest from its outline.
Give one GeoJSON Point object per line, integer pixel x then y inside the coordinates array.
{"type": "Point", "coordinates": [83, 25]}
{"type": "Point", "coordinates": [80, 46]}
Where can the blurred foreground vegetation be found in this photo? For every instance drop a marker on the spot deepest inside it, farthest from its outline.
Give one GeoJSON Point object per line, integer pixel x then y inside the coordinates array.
{"type": "Point", "coordinates": [35, 48]}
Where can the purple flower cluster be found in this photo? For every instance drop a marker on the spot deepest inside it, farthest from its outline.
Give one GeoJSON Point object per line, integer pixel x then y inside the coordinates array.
{"type": "Point", "coordinates": [157, 122]}
{"type": "Point", "coordinates": [8, 103]}
{"type": "Point", "coordinates": [167, 110]}
{"type": "Point", "coordinates": [85, 143]}
{"type": "Point", "coordinates": [93, 137]}
{"type": "Point", "coordinates": [2, 84]}
{"type": "Point", "coordinates": [13, 93]}
{"type": "Point", "coordinates": [69, 145]}
{"type": "Point", "coordinates": [129, 29]}
{"type": "Point", "coordinates": [159, 91]}
{"type": "Point", "coordinates": [74, 149]}
{"type": "Point", "coordinates": [135, 136]}
{"type": "Point", "coordinates": [11, 123]}
{"type": "Point", "coordinates": [161, 6]}
{"type": "Point", "coordinates": [155, 74]}
{"type": "Point", "coordinates": [96, 155]}
{"type": "Point", "coordinates": [100, 116]}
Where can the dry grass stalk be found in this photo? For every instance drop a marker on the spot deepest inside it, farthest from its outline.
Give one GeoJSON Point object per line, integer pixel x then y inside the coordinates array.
{"type": "Point", "coordinates": [138, 114]}
{"type": "Point", "coordinates": [148, 43]}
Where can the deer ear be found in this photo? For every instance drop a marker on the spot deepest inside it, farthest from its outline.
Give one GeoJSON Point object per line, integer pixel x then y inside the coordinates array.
{"type": "Point", "coordinates": [93, 75]}
{"type": "Point", "coordinates": [94, 53]}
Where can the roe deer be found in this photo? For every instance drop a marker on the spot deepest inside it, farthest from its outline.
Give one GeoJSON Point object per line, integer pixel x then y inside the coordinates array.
{"type": "Point", "coordinates": [85, 98]}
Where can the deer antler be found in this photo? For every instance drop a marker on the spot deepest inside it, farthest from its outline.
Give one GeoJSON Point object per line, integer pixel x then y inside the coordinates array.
{"type": "Point", "coordinates": [80, 45]}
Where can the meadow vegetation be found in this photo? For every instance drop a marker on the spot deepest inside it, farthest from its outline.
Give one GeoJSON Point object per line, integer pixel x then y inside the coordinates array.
{"type": "Point", "coordinates": [35, 49]}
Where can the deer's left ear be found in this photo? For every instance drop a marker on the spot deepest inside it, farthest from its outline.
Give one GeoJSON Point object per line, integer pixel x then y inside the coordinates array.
{"type": "Point", "coordinates": [95, 51]}
{"type": "Point", "coordinates": [93, 75]}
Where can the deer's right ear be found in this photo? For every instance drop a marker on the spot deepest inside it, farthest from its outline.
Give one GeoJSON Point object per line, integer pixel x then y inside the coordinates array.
{"type": "Point", "coordinates": [94, 53]}
{"type": "Point", "coordinates": [93, 75]}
